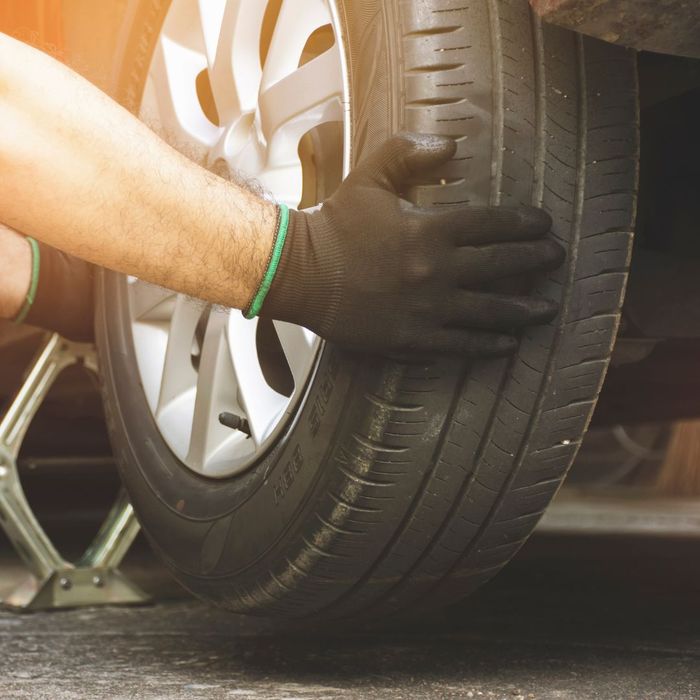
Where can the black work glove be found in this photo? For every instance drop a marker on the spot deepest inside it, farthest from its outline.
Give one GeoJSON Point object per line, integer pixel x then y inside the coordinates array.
{"type": "Point", "coordinates": [371, 271]}
{"type": "Point", "coordinates": [61, 294]}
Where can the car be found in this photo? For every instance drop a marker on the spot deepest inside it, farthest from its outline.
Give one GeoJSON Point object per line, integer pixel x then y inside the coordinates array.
{"type": "Point", "coordinates": [352, 485]}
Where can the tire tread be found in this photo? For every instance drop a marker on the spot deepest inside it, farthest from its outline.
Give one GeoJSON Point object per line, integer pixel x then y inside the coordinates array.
{"type": "Point", "coordinates": [445, 545]}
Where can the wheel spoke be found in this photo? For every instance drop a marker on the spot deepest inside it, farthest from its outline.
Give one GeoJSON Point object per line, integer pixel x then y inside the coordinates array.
{"type": "Point", "coordinates": [235, 70]}
{"type": "Point", "coordinates": [179, 376]}
{"type": "Point", "coordinates": [309, 96]}
{"type": "Point", "coordinates": [261, 404]}
{"type": "Point", "coordinates": [183, 26]}
{"type": "Point", "coordinates": [172, 92]}
{"type": "Point", "coordinates": [211, 21]}
{"type": "Point", "coordinates": [149, 303]}
{"type": "Point", "coordinates": [297, 21]}
{"type": "Point", "coordinates": [286, 182]}
{"type": "Point", "coordinates": [215, 387]}
{"type": "Point", "coordinates": [299, 345]}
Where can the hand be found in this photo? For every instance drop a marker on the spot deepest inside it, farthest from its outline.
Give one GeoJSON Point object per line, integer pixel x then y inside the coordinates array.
{"type": "Point", "coordinates": [371, 271]}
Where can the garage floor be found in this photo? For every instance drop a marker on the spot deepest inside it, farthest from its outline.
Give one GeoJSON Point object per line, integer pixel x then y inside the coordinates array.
{"type": "Point", "coordinates": [570, 618]}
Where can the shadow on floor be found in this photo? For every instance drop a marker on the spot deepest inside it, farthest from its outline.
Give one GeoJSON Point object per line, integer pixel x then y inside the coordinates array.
{"type": "Point", "coordinates": [569, 618]}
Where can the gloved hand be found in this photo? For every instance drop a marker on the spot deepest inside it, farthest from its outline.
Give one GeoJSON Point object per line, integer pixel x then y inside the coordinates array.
{"type": "Point", "coordinates": [371, 271]}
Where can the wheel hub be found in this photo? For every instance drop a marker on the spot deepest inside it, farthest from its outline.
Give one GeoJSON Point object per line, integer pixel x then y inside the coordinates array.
{"type": "Point", "coordinates": [258, 89]}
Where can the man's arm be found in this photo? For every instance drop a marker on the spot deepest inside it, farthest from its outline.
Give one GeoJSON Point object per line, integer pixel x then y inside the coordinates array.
{"type": "Point", "coordinates": [84, 175]}
{"type": "Point", "coordinates": [368, 270]}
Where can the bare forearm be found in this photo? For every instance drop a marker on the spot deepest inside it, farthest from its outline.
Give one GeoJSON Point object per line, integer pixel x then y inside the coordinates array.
{"type": "Point", "coordinates": [84, 175]}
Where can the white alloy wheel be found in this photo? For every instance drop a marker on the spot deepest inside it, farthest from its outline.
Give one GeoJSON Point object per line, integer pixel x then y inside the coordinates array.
{"type": "Point", "coordinates": [256, 88]}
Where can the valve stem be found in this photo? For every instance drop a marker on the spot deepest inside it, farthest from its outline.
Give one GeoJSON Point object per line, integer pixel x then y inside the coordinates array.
{"type": "Point", "coordinates": [231, 420]}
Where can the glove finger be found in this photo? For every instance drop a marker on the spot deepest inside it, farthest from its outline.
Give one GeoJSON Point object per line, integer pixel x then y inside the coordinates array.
{"type": "Point", "coordinates": [497, 312]}
{"type": "Point", "coordinates": [401, 158]}
{"type": "Point", "coordinates": [470, 343]}
{"type": "Point", "coordinates": [474, 266]}
{"type": "Point", "coordinates": [466, 225]}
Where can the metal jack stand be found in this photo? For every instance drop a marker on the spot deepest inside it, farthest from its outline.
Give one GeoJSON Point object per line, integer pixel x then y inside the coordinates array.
{"type": "Point", "coordinates": [53, 582]}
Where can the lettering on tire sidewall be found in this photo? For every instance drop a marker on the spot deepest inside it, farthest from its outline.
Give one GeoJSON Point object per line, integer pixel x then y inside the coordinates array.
{"type": "Point", "coordinates": [316, 412]}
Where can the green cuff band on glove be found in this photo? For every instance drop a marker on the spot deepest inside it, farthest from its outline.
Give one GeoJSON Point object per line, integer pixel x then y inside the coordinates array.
{"type": "Point", "coordinates": [31, 294]}
{"type": "Point", "coordinates": [259, 298]}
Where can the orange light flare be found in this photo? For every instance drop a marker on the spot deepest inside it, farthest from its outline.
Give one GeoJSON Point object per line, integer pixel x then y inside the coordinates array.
{"type": "Point", "coordinates": [36, 22]}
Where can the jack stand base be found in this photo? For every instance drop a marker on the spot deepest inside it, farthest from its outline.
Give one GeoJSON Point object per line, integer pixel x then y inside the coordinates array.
{"type": "Point", "coordinates": [53, 582]}
{"type": "Point", "coordinates": [74, 588]}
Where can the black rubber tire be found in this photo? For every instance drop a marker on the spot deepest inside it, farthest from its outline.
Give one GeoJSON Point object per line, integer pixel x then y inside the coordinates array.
{"type": "Point", "coordinates": [408, 484]}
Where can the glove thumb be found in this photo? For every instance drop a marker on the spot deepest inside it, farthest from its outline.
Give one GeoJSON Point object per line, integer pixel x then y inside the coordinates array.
{"type": "Point", "coordinates": [402, 158]}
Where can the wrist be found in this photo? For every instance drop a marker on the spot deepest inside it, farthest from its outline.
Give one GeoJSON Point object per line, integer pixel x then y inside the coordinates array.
{"type": "Point", "coordinates": [272, 264]}
{"type": "Point", "coordinates": [308, 286]}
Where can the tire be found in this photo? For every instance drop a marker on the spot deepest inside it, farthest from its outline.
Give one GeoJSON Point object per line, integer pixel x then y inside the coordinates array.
{"type": "Point", "coordinates": [404, 484]}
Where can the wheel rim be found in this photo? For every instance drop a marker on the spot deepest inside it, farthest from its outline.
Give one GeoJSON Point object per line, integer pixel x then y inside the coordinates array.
{"type": "Point", "coordinates": [260, 89]}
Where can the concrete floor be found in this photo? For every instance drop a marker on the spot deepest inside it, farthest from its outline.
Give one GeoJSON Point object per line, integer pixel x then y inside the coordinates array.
{"type": "Point", "coordinates": [570, 618]}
